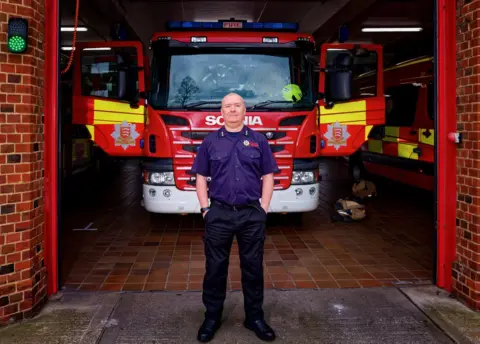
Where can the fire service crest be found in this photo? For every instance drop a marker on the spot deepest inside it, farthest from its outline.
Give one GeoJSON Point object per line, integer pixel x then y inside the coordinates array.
{"type": "Point", "coordinates": [125, 135]}
{"type": "Point", "coordinates": [337, 135]}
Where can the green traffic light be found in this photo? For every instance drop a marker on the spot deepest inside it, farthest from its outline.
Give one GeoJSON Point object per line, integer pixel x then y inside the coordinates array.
{"type": "Point", "coordinates": [16, 44]}
{"type": "Point", "coordinates": [17, 41]}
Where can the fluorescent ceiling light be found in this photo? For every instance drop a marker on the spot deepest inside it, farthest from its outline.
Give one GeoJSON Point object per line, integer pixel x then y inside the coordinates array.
{"type": "Point", "coordinates": [71, 28]}
{"type": "Point", "coordinates": [90, 49]}
{"type": "Point", "coordinates": [392, 29]}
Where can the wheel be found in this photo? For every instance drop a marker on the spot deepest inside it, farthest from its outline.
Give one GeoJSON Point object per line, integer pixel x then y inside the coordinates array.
{"type": "Point", "coordinates": [356, 170]}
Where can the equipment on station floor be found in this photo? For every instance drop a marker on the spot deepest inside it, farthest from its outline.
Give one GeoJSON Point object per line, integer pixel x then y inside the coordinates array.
{"type": "Point", "coordinates": [354, 209]}
{"type": "Point", "coordinates": [364, 188]}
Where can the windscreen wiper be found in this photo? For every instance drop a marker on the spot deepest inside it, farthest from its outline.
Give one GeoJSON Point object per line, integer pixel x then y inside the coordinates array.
{"type": "Point", "coordinates": [268, 102]}
{"type": "Point", "coordinates": [203, 102]}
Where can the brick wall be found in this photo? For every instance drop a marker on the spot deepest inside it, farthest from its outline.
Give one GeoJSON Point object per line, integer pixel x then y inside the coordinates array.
{"type": "Point", "coordinates": [22, 272]}
{"type": "Point", "coordinates": [466, 270]}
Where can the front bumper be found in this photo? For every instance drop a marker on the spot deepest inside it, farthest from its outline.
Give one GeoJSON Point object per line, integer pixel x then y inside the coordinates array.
{"type": "Point", "coordinates": [170, 200]}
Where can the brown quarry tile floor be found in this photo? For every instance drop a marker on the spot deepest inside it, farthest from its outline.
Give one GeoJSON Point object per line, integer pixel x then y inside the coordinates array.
{"type": "Point", "coordinates": [137, 251]}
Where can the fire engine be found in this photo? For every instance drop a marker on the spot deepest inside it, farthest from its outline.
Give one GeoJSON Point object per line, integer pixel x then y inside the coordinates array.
{"type": "Point", "coordinates": [78, 151]}
{"type": "Point", "coordinates": [159, 106]}
{"type": "Point", "coordinates": [402, 149]}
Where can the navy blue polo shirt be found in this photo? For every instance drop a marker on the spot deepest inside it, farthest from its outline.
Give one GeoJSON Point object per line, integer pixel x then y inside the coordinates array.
{"type": "Point", "coordinates": [235, 162]}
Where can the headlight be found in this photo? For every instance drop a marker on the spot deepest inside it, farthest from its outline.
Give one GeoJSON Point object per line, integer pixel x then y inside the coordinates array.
{"type": "Point", "coordinates": [303, 177]}
{"type": "Point", "coordinates": [162, 178]}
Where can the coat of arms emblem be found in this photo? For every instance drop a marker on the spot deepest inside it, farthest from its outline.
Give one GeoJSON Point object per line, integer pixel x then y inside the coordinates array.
{"type": "Point", "coordinates": [125, 135]}
{"type": "Point", "coordinates": [337, 135]}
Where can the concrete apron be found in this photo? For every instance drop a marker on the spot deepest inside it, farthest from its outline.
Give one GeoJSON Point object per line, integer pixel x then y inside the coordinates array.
{"type": "Point", "coordinates": [375, 315]}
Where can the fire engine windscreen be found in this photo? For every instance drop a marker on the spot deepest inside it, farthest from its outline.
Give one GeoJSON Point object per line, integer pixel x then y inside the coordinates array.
{"type": "Point", "coordinates": [202, 78]}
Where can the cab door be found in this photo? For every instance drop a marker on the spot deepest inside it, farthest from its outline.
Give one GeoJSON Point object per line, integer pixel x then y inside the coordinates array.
{"type": "Point", "coordinates": [401, 136]}
{"type": "Point", "coordinates": [108, 95]}
{"type": "Point", "coordinates": [352, 98]}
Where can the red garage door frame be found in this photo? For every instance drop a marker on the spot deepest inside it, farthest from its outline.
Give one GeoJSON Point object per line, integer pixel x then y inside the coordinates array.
{"type": "Point", "coordinates": [445, 124]}
{"type": "Point", "coordinates": [51, 144]}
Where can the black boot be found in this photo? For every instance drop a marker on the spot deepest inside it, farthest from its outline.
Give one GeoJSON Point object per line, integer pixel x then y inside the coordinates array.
{"type": "Point", "coordinates": [207, 330]}
{"type": "Point", "coordinates": [261, 329]}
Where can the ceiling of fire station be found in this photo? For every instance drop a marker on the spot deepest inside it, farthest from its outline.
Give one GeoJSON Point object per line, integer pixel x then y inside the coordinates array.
{"type": "Point", "coordinates": [321, 18]}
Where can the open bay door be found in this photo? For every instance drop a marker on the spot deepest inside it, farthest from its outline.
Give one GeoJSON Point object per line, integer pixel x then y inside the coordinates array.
{"type": "Point", "coordinates": [108, 95]}
{"type": "Point", "coordinates": [349, 107]}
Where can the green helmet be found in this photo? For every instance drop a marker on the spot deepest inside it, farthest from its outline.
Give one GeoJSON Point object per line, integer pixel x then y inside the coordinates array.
{"type": "Point", "coordinates": [292, 92]}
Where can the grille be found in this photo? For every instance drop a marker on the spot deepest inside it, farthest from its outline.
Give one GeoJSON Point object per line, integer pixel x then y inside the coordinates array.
{"type": "Point", "coordinates": [194, 148]}
{"type": "Point", "coordinates": [174, 120]}
{"type": "Point", "coordinates": [277, 148]}
{"type": "Point", "coordinates": [191, 148]}
{"type": "Point", "coordinates": [297, 120]}
{"type": "Point", "coordinates": [275, 135]}
{"type": "Point", "coordinates": [195, 135]}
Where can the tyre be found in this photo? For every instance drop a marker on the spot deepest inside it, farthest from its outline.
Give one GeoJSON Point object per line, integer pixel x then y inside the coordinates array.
{"type": "Point", "coordinates": [356, 170]}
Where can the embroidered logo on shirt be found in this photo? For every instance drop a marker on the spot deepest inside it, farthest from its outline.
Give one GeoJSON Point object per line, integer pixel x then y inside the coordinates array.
{"type": "Point", "coordinates": [250, 144]}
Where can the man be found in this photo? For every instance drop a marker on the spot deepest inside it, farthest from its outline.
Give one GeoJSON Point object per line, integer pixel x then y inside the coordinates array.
{"type": "Point", "coordinates": [241, 166]}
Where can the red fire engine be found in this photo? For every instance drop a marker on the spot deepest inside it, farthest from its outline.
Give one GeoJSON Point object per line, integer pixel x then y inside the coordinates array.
{"type": "Point", "coordinates": [193, 65]}
{"type": "Point", "coordinates": [402, 149]}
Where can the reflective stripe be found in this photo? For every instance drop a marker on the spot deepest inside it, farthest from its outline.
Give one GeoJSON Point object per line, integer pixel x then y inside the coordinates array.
{"type": "Point", "coordinates": [102, 117]}
{"type": "Point", "coordinates": [368, 129]}
{"type": "Point", "coordinates": [91, 130]}
{"type": "Point", "coordinates": [392, 134]}
{"type": "Point", "coordinates": [409, 63]}
{"type": "Point", "coordinates": [116, 106]}
{"type": "Point", "coordinates": [375, 146]}
{"type": "Point", "coordinates": [430, 140]}
{"type": "Point", "coordinates": [111, 112]}
{"type": "Point", "coordinates": [405, 150]}
{"type": "Point", "coordinates": [399, 65]}
{"type": "Point", "coordinates": [347, 113]}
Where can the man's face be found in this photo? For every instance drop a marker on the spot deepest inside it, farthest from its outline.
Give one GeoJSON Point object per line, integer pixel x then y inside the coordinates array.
{"type": "Point", "coordinates": [233, 109]}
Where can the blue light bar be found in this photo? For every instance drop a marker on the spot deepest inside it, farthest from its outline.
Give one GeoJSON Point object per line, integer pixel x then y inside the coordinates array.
{"type": "Point", "coordinates": [231, 25]}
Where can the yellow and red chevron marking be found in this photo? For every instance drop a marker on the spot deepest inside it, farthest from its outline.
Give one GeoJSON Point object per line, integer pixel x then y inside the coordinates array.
{"type": "Point", "coordinates": [393, 144]}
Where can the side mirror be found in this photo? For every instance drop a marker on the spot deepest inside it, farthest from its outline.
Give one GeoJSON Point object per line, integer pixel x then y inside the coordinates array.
{"type": "Point", "coordinates": [339, 78]}
{"type": "Point", "coordinates": [121, 83]}
{"type": "Point", "coordinates": [121, 76]}
{"type": "Point", "coordinates": [340, 86]}
{"type": "Point", "coordinates": [135, 102]}
{"type": "Point", "coordinates": [327, 101]}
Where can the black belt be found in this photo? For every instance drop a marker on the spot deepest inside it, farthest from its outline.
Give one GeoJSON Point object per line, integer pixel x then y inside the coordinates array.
{"type": "Point", "coordinates": [236, 206]}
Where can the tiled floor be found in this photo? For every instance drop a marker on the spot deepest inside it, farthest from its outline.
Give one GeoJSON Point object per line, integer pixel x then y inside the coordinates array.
{"type": "Point", "coordinates": [135, 250]}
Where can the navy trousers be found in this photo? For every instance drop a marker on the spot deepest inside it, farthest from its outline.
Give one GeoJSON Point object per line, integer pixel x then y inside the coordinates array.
{"type": "Point", "coordinates": [222, 223]}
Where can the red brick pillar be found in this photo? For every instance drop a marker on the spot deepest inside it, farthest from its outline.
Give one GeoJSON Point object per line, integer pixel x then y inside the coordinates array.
{"type": "Point", "coordinates": [22, 272]}
{"type": "Point", "coordinates": [466, 270]}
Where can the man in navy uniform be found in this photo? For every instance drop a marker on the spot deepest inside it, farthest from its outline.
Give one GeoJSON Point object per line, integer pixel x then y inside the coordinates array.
{"type": "Point", "coordinates": [241, 166]}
